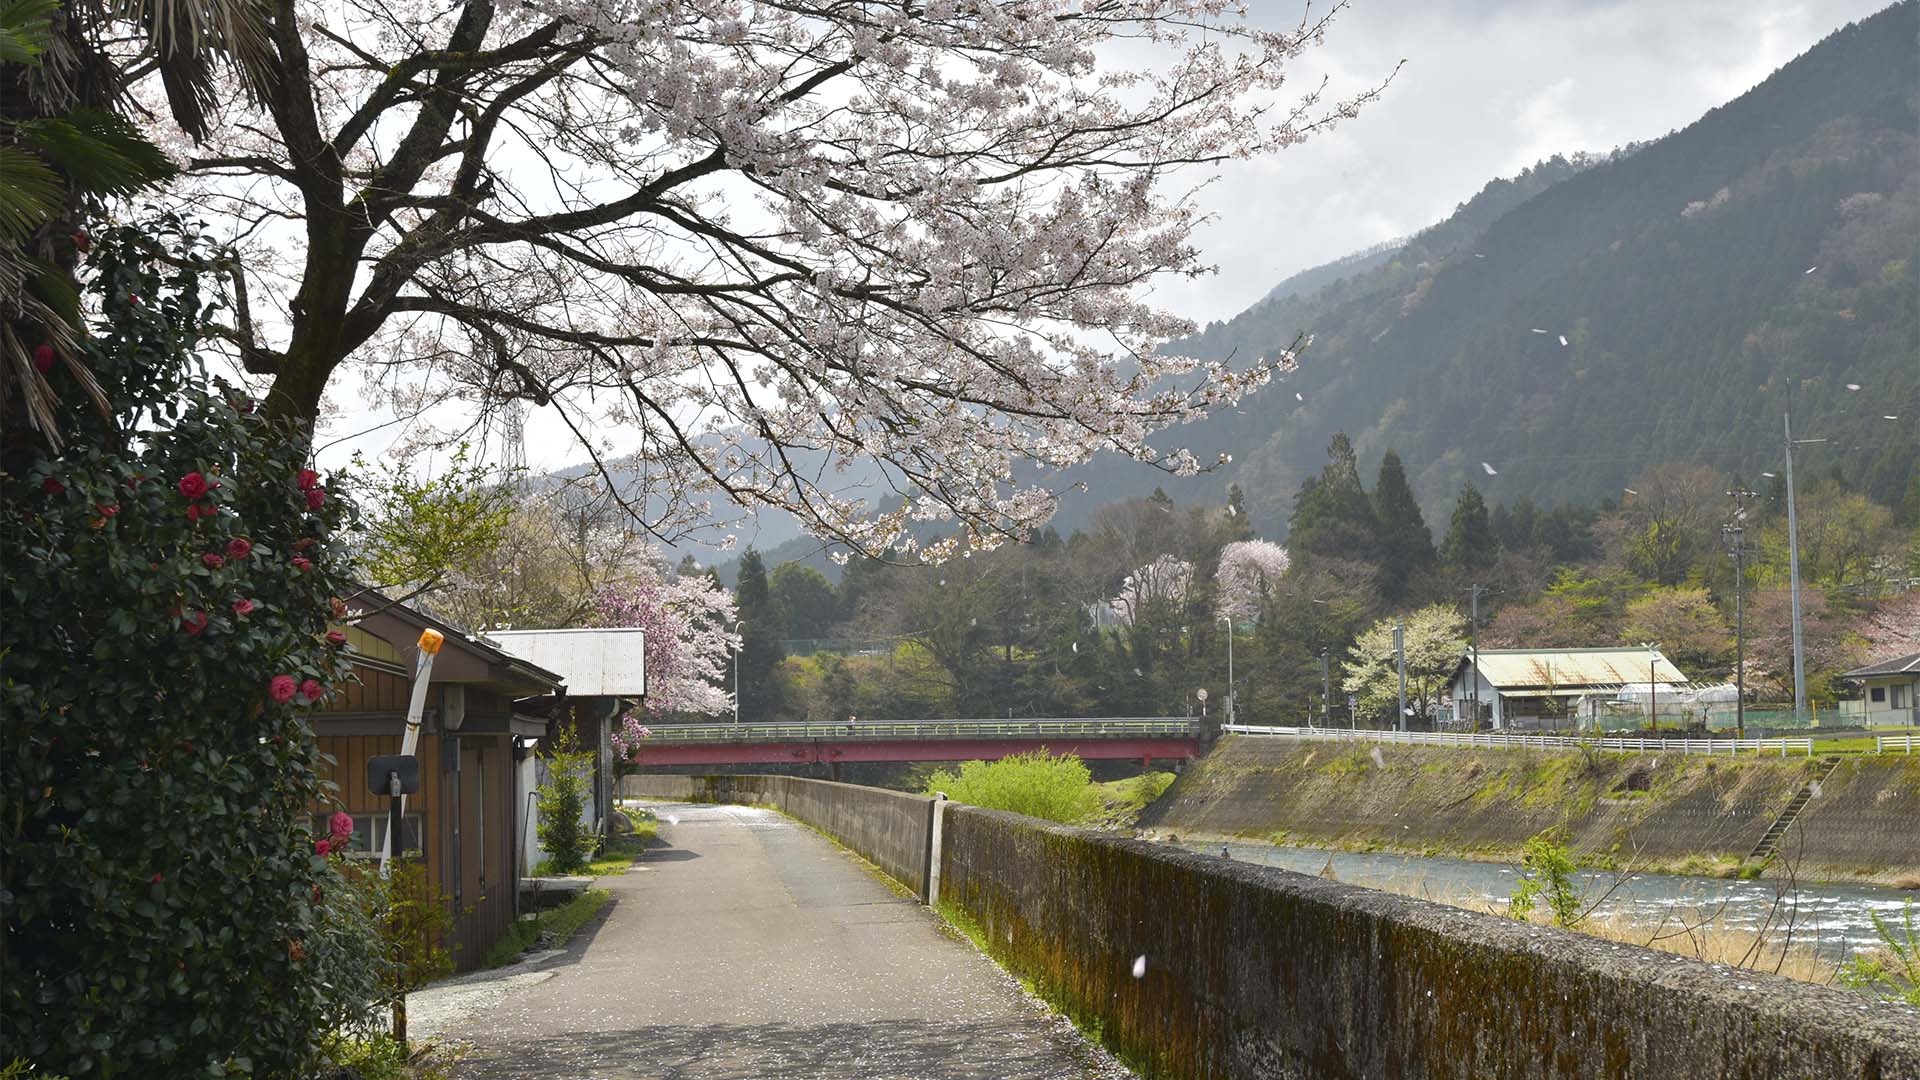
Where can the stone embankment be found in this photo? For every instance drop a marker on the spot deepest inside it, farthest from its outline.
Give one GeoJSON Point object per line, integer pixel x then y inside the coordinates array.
{"type": "Point", "coordinates": [1192, 966]}
{"type": "Point", "coordinates": [1656, 812]}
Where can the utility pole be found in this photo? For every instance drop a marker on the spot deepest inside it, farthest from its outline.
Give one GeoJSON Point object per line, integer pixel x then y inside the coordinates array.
{"type": "Point", "coordinates": [1400, 660]}
{"type": "Point", "coordinates": [738, 641]}
{"type": "Point", "coordinates": [1793, 571]}
{"type": "Point", "coordinates": [1736, 537]}
{"type": "Point", "coordinates": [1653, 687]}
{"type": "Point", "coordinates": [1474, 592]}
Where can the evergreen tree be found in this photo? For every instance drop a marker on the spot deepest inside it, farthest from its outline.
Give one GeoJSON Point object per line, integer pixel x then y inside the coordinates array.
{"type": "Point", "coordinates": [1406, 545]}
{"type": "Point", "coordinates": [1470, 542]}
{"type": "Point", "coordinates": [1331, 514]}
{"type": "Point", "coordinates": [760, 640]}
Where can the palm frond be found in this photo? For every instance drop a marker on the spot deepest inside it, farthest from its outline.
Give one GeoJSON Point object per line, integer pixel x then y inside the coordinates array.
{"type": "Point", "coordinates": [100, 151]}
{"type": "Point", "coordinates": [190, 37]}
{"type": "Point", "coordinates": [30, 193]}
{"type": "Point", "coordinates": [25, 27]}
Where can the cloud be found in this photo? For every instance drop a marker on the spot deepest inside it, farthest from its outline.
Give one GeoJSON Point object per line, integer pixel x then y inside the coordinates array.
{"type": "Point", "coordinates": [1488, 89]}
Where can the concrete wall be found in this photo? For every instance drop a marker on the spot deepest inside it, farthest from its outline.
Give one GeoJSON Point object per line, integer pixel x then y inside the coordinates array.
{"type": "Point", "coordinates": [1258, 972]}
{"type": "Point", "coordinates": [1255, 972]}
{"type": "Point", "coordinates": [887, 828]}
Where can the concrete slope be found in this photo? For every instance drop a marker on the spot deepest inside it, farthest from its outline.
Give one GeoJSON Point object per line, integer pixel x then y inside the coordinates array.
{"type": "Point", "coordinates": [1658, 811]}
{"type": "Point", "coordinates": [753, 947]}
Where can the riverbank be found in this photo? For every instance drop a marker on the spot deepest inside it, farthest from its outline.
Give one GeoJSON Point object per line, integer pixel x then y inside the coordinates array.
{"type": "Point", "coordinates": [1652, 813]}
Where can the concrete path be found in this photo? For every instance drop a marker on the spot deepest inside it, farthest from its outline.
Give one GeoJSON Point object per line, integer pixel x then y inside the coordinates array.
{"type": "Point", "coordinates": [752, 947]}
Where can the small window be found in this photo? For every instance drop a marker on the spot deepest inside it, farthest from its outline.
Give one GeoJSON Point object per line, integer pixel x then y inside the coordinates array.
{"type": "Point", "coordinates": [370, 834]}
{"type": "Point", "coordinates": [1878, 693]}
{"type": "Point", "coordinates": [1899, 697]}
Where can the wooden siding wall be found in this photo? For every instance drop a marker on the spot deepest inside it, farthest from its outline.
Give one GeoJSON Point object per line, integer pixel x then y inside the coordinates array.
{"type": "Point", "coordinates": [375, 691]}
{"type": "Point", "coordinates": [483, 895]}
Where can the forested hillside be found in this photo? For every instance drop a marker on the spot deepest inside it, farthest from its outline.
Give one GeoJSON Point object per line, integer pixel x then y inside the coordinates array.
{"type": "Point", "coordinates": [1568, 328]}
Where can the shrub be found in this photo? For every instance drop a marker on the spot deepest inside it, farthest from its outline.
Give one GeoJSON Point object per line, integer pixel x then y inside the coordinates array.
{"type": "Point", "coordinates": [1547, 871]}
{"type": "Point", "coordinates": [167, 578]}
{"type": "Point", "coordinates": [1036, 784]}
{"type": "Point", "coordinates": [561, 801]}
{"type": "Point", "coordinates": [1891, 970]}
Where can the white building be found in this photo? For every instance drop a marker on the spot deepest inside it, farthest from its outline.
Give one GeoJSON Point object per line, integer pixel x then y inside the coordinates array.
{"type": "Point", "coordinates": [1888, 693]}
{"type": "Point", "coordinates": [1553, 688]}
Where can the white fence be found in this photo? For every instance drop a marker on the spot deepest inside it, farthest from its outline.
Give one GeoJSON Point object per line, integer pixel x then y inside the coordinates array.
{"type": "Point", "coordinates": [1886, 744]}
{"type": "Point", "coordinates": [1499, 741]}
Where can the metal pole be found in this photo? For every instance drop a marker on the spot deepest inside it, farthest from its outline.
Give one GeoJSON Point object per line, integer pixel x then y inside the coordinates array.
{"type": "Point", "coordinates": [1739, 634]}
{"type": "Point", "coordinates": [1400, 659]}
{"type": "Point", "coordinates": [1326, 693]}
{"type": "Point", "coordinates": [1793, 570]}
{"type": "Point", "coordinates": [1231, 689]}
{"type": "Point", "coordinates": [736, 668]}
{"type": "Point", "coordinates": [1473, 642]}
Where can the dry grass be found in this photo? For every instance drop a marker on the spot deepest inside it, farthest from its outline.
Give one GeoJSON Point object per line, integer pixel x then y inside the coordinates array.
{"type": "Point", "coordinates": [1701, 933]}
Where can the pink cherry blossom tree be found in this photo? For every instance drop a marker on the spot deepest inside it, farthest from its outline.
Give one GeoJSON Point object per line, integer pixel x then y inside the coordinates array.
{"type": "Point", "coordinates": [689, 635]}
{"type": "Point", "coordinates": [1250, 571]}
{"type": "Point", "coordinates": [760, 239]}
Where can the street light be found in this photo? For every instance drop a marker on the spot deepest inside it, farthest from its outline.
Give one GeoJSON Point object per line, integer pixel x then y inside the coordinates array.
{"type": "Point", "coordinates": [1228, 619]}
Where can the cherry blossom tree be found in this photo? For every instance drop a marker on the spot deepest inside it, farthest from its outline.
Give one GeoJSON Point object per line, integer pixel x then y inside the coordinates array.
{"type": "Point", "coordinates": [688, 622]}
{"type": "Point", "coordinates": [1250, 571]}
{"type": "Point", "coordinates": [759, 239]}
{"type": "Point", "coordinates": [1157, 586]}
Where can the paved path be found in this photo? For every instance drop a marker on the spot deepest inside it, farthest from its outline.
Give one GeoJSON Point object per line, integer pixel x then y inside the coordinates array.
{"type": "Point", "coordinates": [752, 947]}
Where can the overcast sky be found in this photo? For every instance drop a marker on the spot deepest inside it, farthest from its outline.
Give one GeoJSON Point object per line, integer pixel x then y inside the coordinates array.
{"type": "Point", "coordinates": [1489, 87]}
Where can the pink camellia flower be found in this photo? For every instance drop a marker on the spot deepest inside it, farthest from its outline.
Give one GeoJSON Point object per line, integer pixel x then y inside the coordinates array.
{"type": "Point", "coordinates": [107, 509]}
{"type": "Point", "coordinates": [193, 485]}
{"type": "Point", "coordinates": [43, 358]}
{"type": "Point", "coordinates": [213, 560]}
{"type": "Point", "coordinates": [53, 487]}
{"type": "Point", "coordinates": [309, 479]}
{"type": "Point", "coordinates": [302, 563]}
{"type": "Point", "coordinates": [312, 690]}
{"type": "Point", "coordinates": [282, 688]}
{"type": "Point", "coordinates": [157, 877]}
{"type": "Point", "coordinates": [239, 548]}
{"type": "Point", "coordinates": [341, 824]}
{"type": "Point", "coordinates": [243, 607]}
{"type": "Point", "coordinates": [315, 497]}
{"type": "Point", "coordinates": [336, 639]}
{"type": "Point", "coordinates": [322, 847]}
{"type": "Point", "coordinates": [194, 622]}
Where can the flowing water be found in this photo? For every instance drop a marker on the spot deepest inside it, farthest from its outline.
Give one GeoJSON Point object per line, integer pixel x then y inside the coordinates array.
{"type": "Point", "coordinates": [1833, 920]}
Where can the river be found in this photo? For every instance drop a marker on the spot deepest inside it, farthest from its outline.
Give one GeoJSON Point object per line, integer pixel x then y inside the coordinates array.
{"type": "Point", "coordinates": [1833, 920]}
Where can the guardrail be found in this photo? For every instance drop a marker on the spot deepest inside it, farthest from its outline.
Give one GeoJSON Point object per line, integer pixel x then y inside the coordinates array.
{"type": "Point", "coordinates": [1906, 744]}
{"type": "Point", "coordinates": [1499, 741]}
{"type": "Point", "coordinates": [1091, 727]}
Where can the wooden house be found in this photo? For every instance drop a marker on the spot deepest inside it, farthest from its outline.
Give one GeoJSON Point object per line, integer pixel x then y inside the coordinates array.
{"type": "Point", "coordinates": [473, 740]}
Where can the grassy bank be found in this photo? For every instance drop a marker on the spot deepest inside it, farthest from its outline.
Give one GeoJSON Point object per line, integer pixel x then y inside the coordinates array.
{"type": "Point", "coordinates": [1656, 813]}
{"type": "Point", "coordinates": [555, 928]}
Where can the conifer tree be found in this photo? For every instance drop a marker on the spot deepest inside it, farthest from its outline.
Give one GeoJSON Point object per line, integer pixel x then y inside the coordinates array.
{"type": "Point", "coordinates": [1470, 542]}
{"type": "Point", "coordinates": [760, 640]}
{"type": "Point", "coordinates": [1406, 545]}
{"type": "Point", "coordinates": [1331, 514]}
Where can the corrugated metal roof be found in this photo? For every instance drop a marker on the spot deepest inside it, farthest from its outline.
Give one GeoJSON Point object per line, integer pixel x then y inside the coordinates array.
{"type": "Point", "coordinates": [1899, 665]}
{"type": "Point", "coordinates": [1567, 668]}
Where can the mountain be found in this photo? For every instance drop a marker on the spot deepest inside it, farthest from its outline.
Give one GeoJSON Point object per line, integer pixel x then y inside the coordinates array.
{"type": "Point", "coordinates": [1692, 278]}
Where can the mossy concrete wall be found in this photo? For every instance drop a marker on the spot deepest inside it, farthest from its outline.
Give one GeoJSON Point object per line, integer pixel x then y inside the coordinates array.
{"type": "Point", "coordinates": [1657, 811]}
{"type": "Point", "coordinates": [887, 828]}
{"type": "Point", "coordinates": [1255, 972]}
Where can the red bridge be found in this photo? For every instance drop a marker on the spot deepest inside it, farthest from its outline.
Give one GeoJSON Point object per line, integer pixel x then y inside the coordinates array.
{"type": "Point", "coordinates": [1143, 739]}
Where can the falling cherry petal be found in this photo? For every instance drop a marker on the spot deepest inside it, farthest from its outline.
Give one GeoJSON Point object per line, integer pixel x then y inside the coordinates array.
{"type": "Point", "coordinates": [1853, 386]}
{"type": "Point", "coordinates": [1297, 397]}
{"type": "Point", "coordinates": [1491, 471]}
{"type": "Point", "coordinates": [1563, 341]}
{"type": "Point", "coordinates": [1140, 966]}
{"type": "Point", "coordinates": [1537, 330]}
{"type": "Point", "coordinates": [1808, 270]}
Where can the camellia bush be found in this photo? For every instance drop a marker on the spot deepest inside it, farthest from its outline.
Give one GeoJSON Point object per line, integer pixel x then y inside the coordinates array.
{"type": "Point", "coordinates": [168, 580]}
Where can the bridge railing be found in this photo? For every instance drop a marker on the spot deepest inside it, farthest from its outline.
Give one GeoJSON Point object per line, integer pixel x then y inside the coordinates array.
{"type": "Point", "coordinates": [1082, 728]}
{"type": "Point", "coordinates": [1502, 741]}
